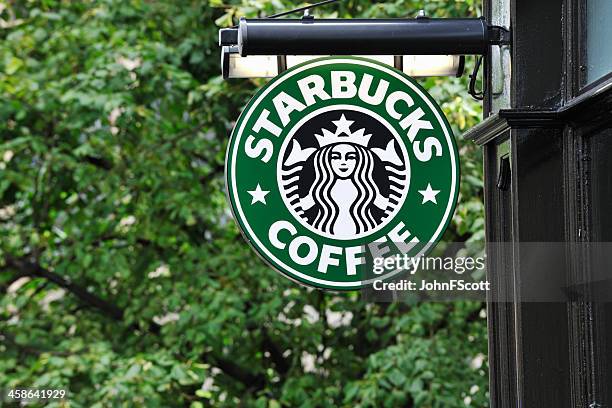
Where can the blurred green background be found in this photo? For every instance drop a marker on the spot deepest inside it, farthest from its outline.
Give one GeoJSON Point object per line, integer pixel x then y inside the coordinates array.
{"type": "Point", "coordinates": [123, 278]}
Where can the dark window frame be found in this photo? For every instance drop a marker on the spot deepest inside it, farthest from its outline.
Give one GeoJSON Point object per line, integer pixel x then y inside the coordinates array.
{"type": "Point", "coordinates": [576, 37]}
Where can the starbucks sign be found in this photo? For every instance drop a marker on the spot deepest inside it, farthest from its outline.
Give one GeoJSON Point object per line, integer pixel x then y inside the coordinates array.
{"type": "Point", "coordinates": [337, 161]}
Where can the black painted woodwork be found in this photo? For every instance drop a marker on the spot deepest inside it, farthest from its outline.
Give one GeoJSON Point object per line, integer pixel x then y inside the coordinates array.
{"type": "Point", "coordinates": [557, 139]}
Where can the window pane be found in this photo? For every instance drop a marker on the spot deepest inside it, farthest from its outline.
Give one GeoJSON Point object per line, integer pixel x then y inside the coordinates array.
{"type": "Point", "coordinates": [599, 35]}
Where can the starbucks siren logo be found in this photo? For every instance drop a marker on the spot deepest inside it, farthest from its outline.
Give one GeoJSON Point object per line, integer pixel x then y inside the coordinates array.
{"type": "Point", "coordinates": [344, 199]}
{"type": "Point", "coordinates": [338, 161]}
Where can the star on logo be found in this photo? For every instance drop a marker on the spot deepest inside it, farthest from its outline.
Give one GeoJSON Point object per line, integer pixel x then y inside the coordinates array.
{"type": "Point", "coordinates": [343, 125]}
{"type": "Point", "coordinates": [429, 194]}
{"type": "Point", "coordinates": [258, 195]}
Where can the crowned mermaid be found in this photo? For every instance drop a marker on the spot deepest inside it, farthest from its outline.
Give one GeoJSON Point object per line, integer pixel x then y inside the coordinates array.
{"type": "Point", "coordinates": [344, 191]}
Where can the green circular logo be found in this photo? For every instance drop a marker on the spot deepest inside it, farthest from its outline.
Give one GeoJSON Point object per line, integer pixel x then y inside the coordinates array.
{"type": "Point", "coordinates": [339, 161]}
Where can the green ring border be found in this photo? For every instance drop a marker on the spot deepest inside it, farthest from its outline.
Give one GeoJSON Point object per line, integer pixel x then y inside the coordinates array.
{"type": "Point", "coordinates": [239, 222]}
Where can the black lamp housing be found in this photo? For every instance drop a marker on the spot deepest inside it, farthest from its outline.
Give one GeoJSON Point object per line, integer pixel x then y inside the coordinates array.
{"type": "Point", "coordinates": [310, 36]}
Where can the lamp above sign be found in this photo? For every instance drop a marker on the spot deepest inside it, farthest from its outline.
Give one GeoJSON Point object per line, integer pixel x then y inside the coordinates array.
{"type": "Point", "coordinates": [419, 47]}
{"type": "Point", "coordinates": [233, 65]}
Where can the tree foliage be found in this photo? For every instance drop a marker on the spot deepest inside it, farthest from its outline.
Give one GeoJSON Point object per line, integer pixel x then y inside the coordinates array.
{"type": "Point", "coordinates": [122, 276]}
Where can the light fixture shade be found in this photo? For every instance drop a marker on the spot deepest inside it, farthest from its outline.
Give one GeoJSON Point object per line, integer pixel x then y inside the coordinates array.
{"type": "Point", "coordinates": [254, 66]}
{"type": "Point", "coordinates": [269, 66]}
{"type": "Point", "coordinates": [433, 65]}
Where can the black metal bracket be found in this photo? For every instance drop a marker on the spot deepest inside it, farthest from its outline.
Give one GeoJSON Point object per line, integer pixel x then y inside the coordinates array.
{"type": "Point", "coordinates": [504, 174]}
{"type": "Point", "coordinates": [478, 95]}
{"type": "Point", "coordinates": [499, 35]}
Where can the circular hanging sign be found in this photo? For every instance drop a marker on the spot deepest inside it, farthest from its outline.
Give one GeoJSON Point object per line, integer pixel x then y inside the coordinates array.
{"type": "Point", "coordinates": [336, 163]}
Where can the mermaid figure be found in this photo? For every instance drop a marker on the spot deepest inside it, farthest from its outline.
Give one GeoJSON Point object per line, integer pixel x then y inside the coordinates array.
{"type": "Point", "coordinates": [348, 201]}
